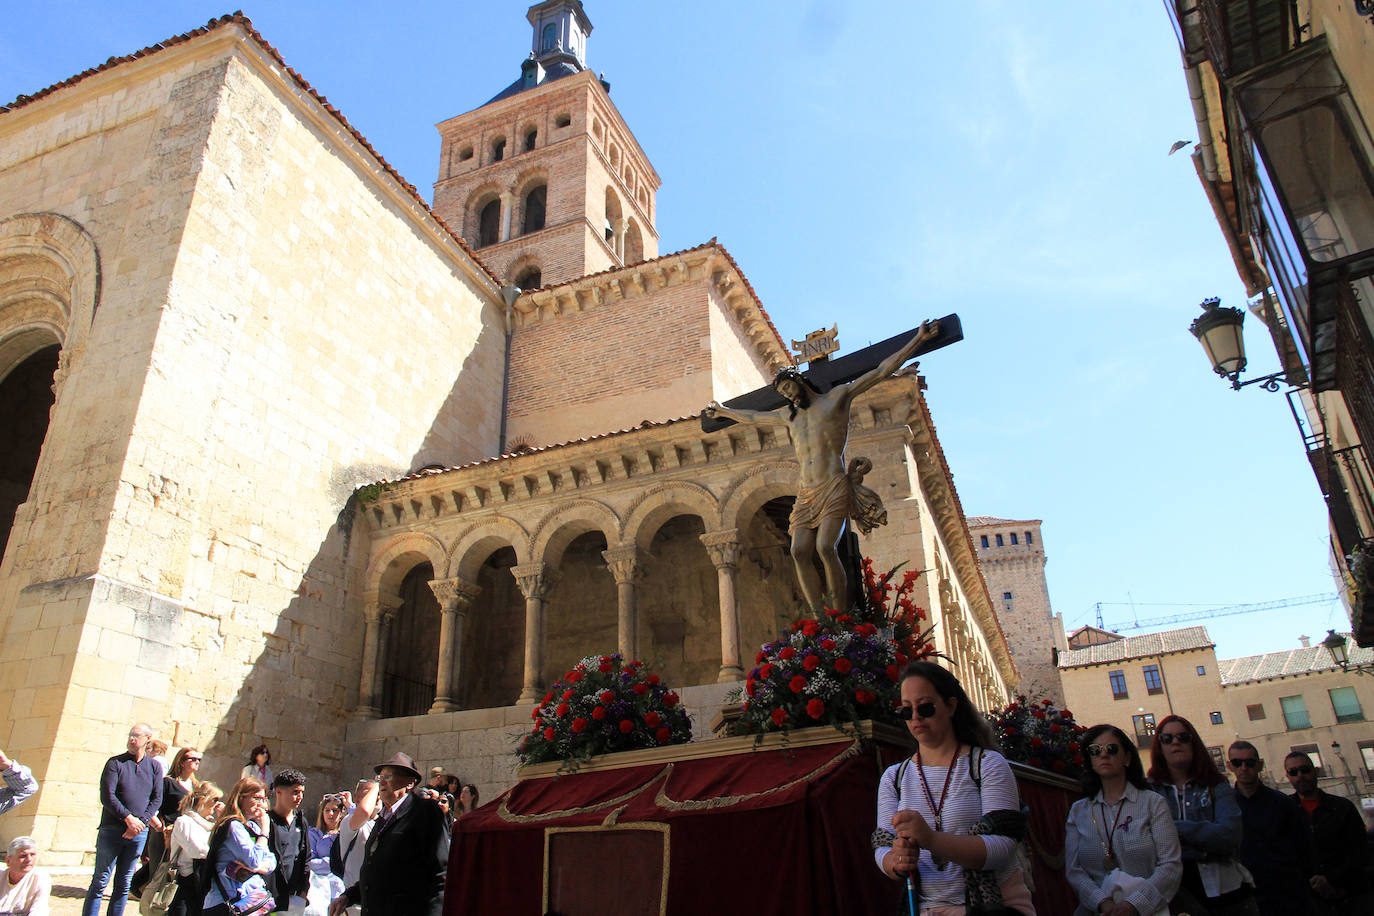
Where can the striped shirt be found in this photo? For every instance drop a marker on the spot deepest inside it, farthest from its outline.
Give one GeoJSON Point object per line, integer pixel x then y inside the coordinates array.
{"type": "Point", "coordinates": [962, 809]}
{"type": "Point", "coordinates": [1144, 842]}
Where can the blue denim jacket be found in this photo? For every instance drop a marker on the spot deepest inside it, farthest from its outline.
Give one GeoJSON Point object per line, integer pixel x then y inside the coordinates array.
{"type": "Point", "coordinates": [238, 846]}
{"type": "Point", "coordinates": [1209, 824]}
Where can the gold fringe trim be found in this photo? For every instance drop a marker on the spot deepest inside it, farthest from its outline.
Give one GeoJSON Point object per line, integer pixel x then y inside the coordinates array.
{"type": "Point", "coordinates": [503, 810]}
{"type": "Point", "coordinates": [728, 801]}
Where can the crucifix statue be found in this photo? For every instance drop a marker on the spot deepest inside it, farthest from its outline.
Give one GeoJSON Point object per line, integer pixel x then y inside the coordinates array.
{"type": "Point", "coordinates": [815, 411]}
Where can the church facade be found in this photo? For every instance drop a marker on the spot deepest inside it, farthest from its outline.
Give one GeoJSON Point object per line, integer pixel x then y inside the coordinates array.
{"type": "Point", "coordinates": [366, 506]}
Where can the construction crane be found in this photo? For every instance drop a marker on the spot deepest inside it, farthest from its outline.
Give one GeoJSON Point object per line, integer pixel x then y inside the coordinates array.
{"type": "Point", "coordinates": [1212, 612]}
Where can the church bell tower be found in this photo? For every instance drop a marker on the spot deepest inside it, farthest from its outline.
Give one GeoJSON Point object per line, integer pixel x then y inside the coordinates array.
{"type": "Point", "coordinates": [545, 180]}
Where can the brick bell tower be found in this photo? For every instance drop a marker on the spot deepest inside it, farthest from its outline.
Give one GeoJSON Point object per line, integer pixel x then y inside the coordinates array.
{"type": "Point", "coordinates": [545, 180]}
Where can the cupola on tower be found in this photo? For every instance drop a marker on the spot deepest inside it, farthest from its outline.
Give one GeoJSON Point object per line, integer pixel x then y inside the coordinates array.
{"type": "Point", "coordinates": [546, 180]}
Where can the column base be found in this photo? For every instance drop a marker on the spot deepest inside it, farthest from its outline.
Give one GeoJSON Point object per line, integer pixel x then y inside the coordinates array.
{"type": "Point", "coordinates": [367, 712]}
{"type": "Point", "coordinates": [443, 704]}
{"type": "Point", "coordinates": [729, 673]}
{"type": "Point", "coordinates": [529, 696]}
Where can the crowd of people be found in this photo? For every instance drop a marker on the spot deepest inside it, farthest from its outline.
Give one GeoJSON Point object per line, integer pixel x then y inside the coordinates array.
{"type": "Point", "coordinates": [182, 846]}
{"type": "Point", "coordinates": [1176, 838]}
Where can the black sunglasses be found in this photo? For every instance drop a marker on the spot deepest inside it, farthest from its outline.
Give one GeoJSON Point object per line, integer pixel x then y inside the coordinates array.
{"type": "Point", "coordinates": [922, 711]}
{"type": "Point", "coordinates": [1097, 750]}
{"type": "Point", "coordinates": [1305, 770]}
{"type": "Point", "coordinates": [1246, 762]}
{"type": "Point", "coordinates": [1171, 737]}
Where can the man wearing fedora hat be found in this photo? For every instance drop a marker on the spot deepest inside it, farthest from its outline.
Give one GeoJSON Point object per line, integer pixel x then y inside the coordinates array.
{"type": "Point", "coordinates": [407, 853]}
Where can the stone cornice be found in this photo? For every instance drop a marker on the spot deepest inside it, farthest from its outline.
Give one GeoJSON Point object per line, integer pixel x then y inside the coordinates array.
{"type": "Point", "coordinates": [707, 263]}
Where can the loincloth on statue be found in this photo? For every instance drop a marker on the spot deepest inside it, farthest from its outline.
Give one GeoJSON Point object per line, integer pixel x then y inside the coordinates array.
{"type": "Point", "coordinates": [842, 496]}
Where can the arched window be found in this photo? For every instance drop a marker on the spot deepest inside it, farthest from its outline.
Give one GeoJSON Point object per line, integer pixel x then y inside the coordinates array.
{"type": "Point", "coordinates": [530, 138]}
{"type": "Point", "coordinates": [498, 149]}
{"type": "Point", "coordinates": [412, 648]}
{"type": "Point", "coordinates": [634, 244]}
{"type": "Point", "coordinates": [465, 154]}
{"type": "Point", "coordinates": [26, 398]}
{"type": "Point", "coordinates": [489, 224]}
{"type": "Point", "coordinates": [532, 278]}
{"type": "Point", "coordinates": [534, 209]}
{"type": "Point", "coordinates": [550, 37]}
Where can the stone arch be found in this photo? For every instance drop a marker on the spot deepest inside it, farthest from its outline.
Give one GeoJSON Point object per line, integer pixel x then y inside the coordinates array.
{"type": "Point", "coordinates": [50, 285]}
{"type": "Point", "coordinates": [660, 503]}
{"type": "Point", "coordinates": [756, 486]}
{"type": "Point", "coordinates": [480, 196]}
{"type": "Point", "coordinates": [480, 541]}
{"type": "Point", "coordinates": [527, 267]}
{"type": "Point", "coordinates": [634, 243]}
{"type": "Point", "coordinates": [399, 556]}
{"type": "Point", "coordinates": [564, 524]}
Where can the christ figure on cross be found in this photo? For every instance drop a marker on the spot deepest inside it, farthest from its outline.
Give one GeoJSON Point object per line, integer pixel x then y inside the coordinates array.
{"type": "Point", "coordinates": [829, 493]}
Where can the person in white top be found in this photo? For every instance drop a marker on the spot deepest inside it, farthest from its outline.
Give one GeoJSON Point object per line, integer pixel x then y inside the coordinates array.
{"type": "Point", "coordinates": [190, 841]}
{"type": "Point", "coordinates": [24, 889]}
{"type": "Point", "coordinates": [950, 816]}
{"type": "Point", "coordinates": [354, 830]}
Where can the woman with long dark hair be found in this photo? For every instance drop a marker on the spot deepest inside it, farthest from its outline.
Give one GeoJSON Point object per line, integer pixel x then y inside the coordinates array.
{"type": "Point", "coordinates": [950, 817]}
{"type": "Point", "coordinates": [259, 765]}
{"type": "Point", "coordinates": [1121, 852]}
{"type": "Point", "coordinates": [1208, 819]}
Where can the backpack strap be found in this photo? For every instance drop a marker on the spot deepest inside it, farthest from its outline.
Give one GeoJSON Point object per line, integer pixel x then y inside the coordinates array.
{"type": "Point", "coordinates": [975, 766]}
{"type": "Point", "coordinates": [898, 777]}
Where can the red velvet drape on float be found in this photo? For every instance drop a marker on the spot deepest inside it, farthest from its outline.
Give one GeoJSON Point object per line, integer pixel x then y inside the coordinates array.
{"type": "Point", "coordinates": [775, 831]}
{"type": "Point", "coordinates": [778, 829]}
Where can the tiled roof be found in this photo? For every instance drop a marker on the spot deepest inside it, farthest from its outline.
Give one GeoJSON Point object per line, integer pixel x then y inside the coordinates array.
{"type": "Point", "coordinates": [1182, 640]}
{"type": "Point", "coordinates": [1288, 663]}
{"type": "Point", "coordinates": [243, 22]}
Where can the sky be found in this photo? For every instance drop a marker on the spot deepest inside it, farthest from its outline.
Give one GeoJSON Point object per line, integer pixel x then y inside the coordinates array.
{"type": "Point", "coordinates": [873, 164]}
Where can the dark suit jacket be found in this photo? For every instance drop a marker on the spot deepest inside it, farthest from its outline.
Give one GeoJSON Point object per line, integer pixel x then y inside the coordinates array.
{"type": "Point", "coordinates": [405, 863]}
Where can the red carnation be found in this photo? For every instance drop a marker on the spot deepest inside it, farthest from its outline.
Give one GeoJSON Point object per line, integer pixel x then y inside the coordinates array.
{"type": "Point", "coordinates": [828, 645]}
{"type": "Point", "coordinates": [845, 618]}
{"type": "Point", "coordinates": [626, 726]}
{"type": "Point", "coordinates": [758, 659]}
{"type": "Point", "coordinates": [562, 709]}
{"type": "Point", "coordinates": [810, 628]}
{"type": "Point", "coordinates": [636, 664]}
{"type": "Point", "coordinates": [843, 665]}
{"type": "Point", "coordinates": [1073, 745]}
{"type": "Point", "coordinates": [778, 714]}
{"type": "Point", "coordinates": [670, 699]}
{"type": "Point", "coordinates": [599, 713]}
{"type": "Point", "coordinates": [604, 667]}
{"type": "Point", "coordinates": [1065, 714]}
{"type": "Point", "coordinates": [902, 659]}
{"type": "Point", "coordinates": [653, 679]}
{"type": "Point", "coordinates": [1046, 702]}
{"type": "Point", "coordinates": [810, 662]}
{"type": "Point", "coordinates": [548, 734]}
{"type": "Point", "coordinates": [652, 719]}
{"type": "Point", "coordinates": [1038, 713]}
{"type": "Point", "coordinates": [766, 671]}
{"type": "Point", "coordinates": [863, 697]}
{"type": "Point", "coordinates": [605, 659]}
{"type": "Point", "coordinates": [1037, 743]}
{"type": "Point", "coordinates": [535, 715]}
{"type": "Point", "coordinates": [663, 735]}
{"type": "Point", "coordinates": [815, 708]}
{"type": "Point", "coordinates": [1058, 765]}
{"type": "Point", "coordinates": [640, 689]}
{"type": "Point", "coordinates": [573, 677]}
{"type": "Point", "coordinates": [548, 696]}
{"type": "Point", "coordinates": [787, 653]}
{"type": "Point", "coordinates": [605, 696]}
{"type": "Point", "coordinates": [749, 686]}
{"type": "Point", "coordinates": [798, 684]}
{"type": "Point", "coordinates": [567, 695]}
{"type": "Point", "coordinates": [1056, 729]}
{"type": "Point", "coordinates": [579, 725]}
{"type": "Point", "coordinates": [893, 674]}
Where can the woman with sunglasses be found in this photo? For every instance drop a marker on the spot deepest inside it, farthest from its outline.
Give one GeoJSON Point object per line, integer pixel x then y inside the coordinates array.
{"type": "Point", "coordinates": [950, 816]}
{"type": "Point", "coordinates": [1208, 819]}
{"type": "Point", "coordinates": [1121, 851]}
{"type": "Point", "coordinates": [239, 856]}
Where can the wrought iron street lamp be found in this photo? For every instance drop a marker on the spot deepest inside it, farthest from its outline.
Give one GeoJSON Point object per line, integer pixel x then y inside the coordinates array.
{"type": "Point", "coordinates": [1218, 329]}
{"type": "Point", "coordinates": [1335, 644]}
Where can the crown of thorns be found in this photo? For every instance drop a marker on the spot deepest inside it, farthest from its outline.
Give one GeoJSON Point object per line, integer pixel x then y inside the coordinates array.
{"type": "Point", "coordinates": [791, 372]}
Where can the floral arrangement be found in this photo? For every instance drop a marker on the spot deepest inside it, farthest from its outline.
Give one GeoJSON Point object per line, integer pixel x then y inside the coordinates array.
{"type": "Point", "coordinates": [842, 667]}
{"type": "Point", "coordinates": [604, 705]}
{"type": "Point", "coordinates": [1040, 735]}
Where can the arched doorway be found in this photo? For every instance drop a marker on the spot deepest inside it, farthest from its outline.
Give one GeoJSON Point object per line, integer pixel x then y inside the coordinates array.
{"type": "Point", "coordinates": [492, 665]}
{"type": "Point", "coordinates": [582, 613]}
{"type": "Point", "coordinates": [26, 400]}
{"type": "Point", "coordinates": [412, 657]}
{"type": "Point", "coordinates": [769, 596]}
{"type": "Point", "coordinates": [679, 608]}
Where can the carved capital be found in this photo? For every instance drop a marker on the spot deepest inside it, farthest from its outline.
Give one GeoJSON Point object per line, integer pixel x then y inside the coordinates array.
{"type": "Point", "coordinates": [723, 547]}
{"type": "Point", "coordinates": [380, 606]}
{"type": "Point", "coordinates": [455, 595]}
{"type": "Point", "coordinates": [624, 564]}
{"type": "Point", "coordinates": [536, 580]}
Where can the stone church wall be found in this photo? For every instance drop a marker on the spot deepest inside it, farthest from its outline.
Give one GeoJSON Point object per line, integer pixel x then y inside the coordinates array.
{"type": "Point", "coordinates": [279, 323]}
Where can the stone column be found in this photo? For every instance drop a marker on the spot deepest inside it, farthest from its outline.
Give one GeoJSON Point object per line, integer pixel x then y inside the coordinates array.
{"type": "Point", "coordinates": [455, 597]}
{"type": "Point", "coordinates": [536, 581]}
{"type": "Point", "coordinates": [378, 610]}
{"type": "Point", "coordinates": [724, 548]}
{"type": "Point", "coordinates": [507, 213]}
{"type": "Point", "coordinates": [628, 572]}
{"type": "Point", "coordinates": [618, 229]}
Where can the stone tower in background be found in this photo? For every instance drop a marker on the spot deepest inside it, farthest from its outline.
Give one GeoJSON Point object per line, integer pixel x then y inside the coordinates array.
{"type": "Point", "coordinates": [545, 179]}
{"type": "Point", "coordinates": [1012, 556]}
